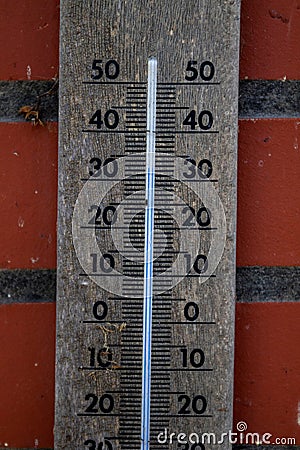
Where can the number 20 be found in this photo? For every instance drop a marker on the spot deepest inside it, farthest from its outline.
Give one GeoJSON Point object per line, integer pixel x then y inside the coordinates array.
{"type": "Point", "coordinates": [92, 445]}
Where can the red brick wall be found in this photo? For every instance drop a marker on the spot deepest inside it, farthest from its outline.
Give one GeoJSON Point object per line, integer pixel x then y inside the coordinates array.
{"type": "Point", "coordinates": [267, 361]}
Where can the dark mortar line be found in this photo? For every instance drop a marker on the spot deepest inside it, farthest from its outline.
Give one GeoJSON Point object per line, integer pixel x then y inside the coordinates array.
{"type": "Point", "coordinates": [16, 94]}
{"type": "Point", "coordinates": [27, 286]}
{"type": "Point", "coordinates": [258, 99]}
{"type": "Point", "coordinates": [268, 284]}
{"type": "Point", "coordinates": [269, 99]}
{"type": "Point", "coordinates": [253, 285]}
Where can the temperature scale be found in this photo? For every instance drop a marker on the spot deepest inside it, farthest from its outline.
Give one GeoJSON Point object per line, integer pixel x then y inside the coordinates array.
{"type": "Point", "coordinates": [146, 228]}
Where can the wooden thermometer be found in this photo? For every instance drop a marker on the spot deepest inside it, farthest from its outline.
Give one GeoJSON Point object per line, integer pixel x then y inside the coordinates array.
{"type": "Point", "coordinates": [146, 227]}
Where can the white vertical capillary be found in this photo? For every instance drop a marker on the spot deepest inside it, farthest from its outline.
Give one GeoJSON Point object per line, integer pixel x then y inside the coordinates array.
{"type": "Point", "coordinates": [148, 252]}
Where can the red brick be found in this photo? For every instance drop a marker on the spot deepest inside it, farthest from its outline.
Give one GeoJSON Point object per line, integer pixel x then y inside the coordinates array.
{"type": "Point", "coordinates": [268, 226]}
{"type": "Point", "coordinates": [267, 365]}
{"type": "Point", "coordinates": [28, 191]}
{"type": "Point", "coordinates": [270, 36]}
{"type": "Point", "coordinates": [27, 375]}
{"type": "Point", "coordinates": [29, 32]}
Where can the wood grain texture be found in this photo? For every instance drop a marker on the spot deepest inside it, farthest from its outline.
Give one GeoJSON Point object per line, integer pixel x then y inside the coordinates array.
{"type": "Point", "coordinates": [130, 32]}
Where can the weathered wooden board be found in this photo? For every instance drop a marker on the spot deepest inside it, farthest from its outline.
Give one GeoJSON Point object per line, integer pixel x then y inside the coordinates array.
{"type": "Point", "coordinates": [105, 48]}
